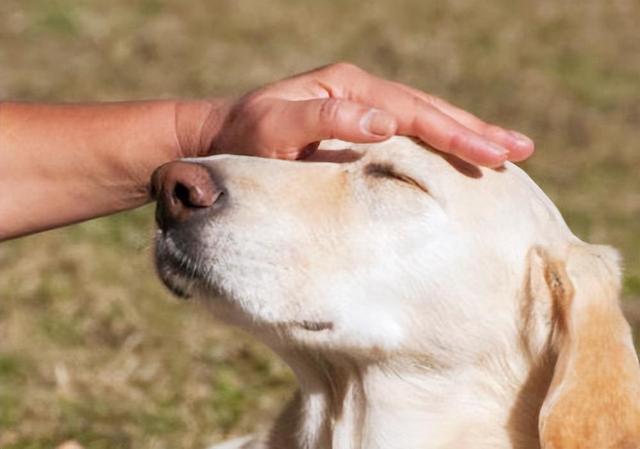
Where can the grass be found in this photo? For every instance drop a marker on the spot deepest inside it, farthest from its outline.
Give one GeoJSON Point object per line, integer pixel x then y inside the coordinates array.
{"type": "Point", "coordinates": [91, 346]}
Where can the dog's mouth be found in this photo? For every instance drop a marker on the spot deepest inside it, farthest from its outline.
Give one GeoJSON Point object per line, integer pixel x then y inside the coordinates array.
{"type": "Point", "coordinates": [177, 270]}
{"type": "Point", "coordinates": [314, 326]}
{"type": "Point", "coordinates": [178, 267]}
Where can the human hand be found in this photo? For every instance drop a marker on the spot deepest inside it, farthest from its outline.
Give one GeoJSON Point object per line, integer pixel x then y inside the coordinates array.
{"type": "Point", "coordinates": [287, 119]}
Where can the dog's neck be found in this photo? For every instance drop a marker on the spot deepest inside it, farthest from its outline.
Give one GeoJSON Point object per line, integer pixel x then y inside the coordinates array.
{"type": "Point", "coordinates": [353, 405]}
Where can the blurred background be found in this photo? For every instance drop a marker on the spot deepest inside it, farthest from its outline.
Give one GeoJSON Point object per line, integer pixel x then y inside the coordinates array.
{"type": "Point", "coordinates": [91, 346]}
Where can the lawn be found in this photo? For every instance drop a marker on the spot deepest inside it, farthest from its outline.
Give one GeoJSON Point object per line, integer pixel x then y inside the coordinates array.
{"type": "Point", "coordinates": [91, 346]}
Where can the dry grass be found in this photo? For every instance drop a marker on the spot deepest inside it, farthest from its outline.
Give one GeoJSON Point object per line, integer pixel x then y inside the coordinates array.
{"type": "Point", "coordinates": [93, 349]}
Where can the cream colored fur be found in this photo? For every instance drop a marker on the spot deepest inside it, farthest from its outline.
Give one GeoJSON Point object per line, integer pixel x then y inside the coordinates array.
{"type": "Point", "coordinates": [420, 301]}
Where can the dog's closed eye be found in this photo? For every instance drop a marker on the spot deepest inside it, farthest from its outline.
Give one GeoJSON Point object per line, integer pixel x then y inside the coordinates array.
{"type": "Point", "coordinates": [388, 171]}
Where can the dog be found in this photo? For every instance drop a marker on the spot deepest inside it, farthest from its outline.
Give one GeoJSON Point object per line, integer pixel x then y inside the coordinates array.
{"type": "Point", "coordinates": [421, 302]}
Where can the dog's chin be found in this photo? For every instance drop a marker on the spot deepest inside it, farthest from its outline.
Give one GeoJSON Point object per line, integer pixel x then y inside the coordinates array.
{"type": "Point", "coordinates": [177, 271]}
{"type": "Point", "coordinates": [178, 284]}
{"type": "Point", "coordinates": [186, 279]}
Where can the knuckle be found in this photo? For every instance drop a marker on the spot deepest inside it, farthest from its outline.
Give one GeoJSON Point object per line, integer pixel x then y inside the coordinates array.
{"type": "Point", "coordinates": [455, 142]}
{"type": "Point", "coordinates": [488, 129]}
{"type": "Point", "coordinates": [251, 103]}
{"type": "Point", "coordinates": [329, 111]}
{"type": "Point", "coordinates": [260, 128]}
{"type": "Point", "coordinates": [430, 99]}
{"type": "Point", "coordinates": [345, 68]}
{"type": "Point", "coordinates": [438, 103]}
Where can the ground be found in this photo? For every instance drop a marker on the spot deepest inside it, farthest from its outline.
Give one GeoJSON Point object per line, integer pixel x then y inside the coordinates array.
{"type": "Point", "coordinates": [91, 346]}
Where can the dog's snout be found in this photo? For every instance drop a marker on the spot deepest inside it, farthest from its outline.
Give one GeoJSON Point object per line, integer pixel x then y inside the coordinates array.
{"type": "Point", "coordinates": [181, 190]}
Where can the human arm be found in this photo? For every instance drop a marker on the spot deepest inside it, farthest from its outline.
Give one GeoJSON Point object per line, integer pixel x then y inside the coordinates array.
{"type": "Point", "coordinates": [61, 164]}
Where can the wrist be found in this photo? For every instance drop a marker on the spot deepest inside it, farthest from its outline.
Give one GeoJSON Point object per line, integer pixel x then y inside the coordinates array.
{"type": "Point", "coordinates": [197, 123]}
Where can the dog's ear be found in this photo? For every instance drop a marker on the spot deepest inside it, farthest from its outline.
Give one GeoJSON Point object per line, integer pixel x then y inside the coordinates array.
{"type": "Point", "coordinates": [593, 401]}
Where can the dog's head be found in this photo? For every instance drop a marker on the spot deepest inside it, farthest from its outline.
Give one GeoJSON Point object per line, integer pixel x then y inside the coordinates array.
{"type": "Point", "coordinates": [386, 247]}
{"type": "Point", "coordinates": [391, 249]}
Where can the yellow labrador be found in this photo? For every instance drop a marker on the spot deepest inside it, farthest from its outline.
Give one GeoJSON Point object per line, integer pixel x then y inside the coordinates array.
{"type": "Point", "coordinates": [421, 302]}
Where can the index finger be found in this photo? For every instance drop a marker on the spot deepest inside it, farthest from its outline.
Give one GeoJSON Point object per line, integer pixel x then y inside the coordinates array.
{"type": "Point", "coordinates": [415, 116]}
{"type": "Point", "coordinates": [520, 146]}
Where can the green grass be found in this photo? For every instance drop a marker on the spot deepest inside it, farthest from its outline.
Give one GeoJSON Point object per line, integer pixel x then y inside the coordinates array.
{"type": "Point", "coordinates": [91, 346]}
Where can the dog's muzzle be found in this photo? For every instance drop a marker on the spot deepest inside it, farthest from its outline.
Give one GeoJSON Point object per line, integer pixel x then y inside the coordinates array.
{"type": "Point", "coordinates": [187, 197]}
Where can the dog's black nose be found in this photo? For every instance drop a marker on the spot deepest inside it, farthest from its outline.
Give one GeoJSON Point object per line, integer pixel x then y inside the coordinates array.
{"type": "Point", "coordinates": [182, 189]}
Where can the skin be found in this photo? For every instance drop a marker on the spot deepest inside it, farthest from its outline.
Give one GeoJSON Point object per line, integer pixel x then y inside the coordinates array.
{"type": "Point", "coordinates": [66, 163]}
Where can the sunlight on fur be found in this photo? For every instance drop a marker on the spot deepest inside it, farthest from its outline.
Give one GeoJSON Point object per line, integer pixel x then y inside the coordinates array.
{"type": "Point", "coordinates": [421, 302]}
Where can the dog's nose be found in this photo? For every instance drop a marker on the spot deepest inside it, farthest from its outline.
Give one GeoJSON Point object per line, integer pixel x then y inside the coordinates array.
{"type": "Point", "coordinates": [182, 189]}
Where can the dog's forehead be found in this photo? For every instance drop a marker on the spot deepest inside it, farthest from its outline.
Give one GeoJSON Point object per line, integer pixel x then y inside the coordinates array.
{"type": "Point", "coordinates": [449, 178]}
{"type": "Point", "coordinates": [482, 199]}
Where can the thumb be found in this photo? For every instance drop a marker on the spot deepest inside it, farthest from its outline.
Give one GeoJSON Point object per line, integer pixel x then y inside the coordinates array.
{"type": "Point", "coordinates": [310, 121]}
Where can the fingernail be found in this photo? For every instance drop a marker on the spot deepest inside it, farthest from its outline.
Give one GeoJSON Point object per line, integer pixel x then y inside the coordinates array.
{"type": "Point", "coordinates": [521, 139]}
{"type": "Point", "coordinates": [378, 123]}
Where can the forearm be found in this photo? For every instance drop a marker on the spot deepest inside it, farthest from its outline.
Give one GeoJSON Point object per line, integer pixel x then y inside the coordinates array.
{"type": "Point", "coordinates": [61, 164]}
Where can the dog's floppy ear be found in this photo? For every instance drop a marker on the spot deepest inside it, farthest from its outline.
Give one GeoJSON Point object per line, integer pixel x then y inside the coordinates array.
{"type": "Point", "coordinates": [593, 401]}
